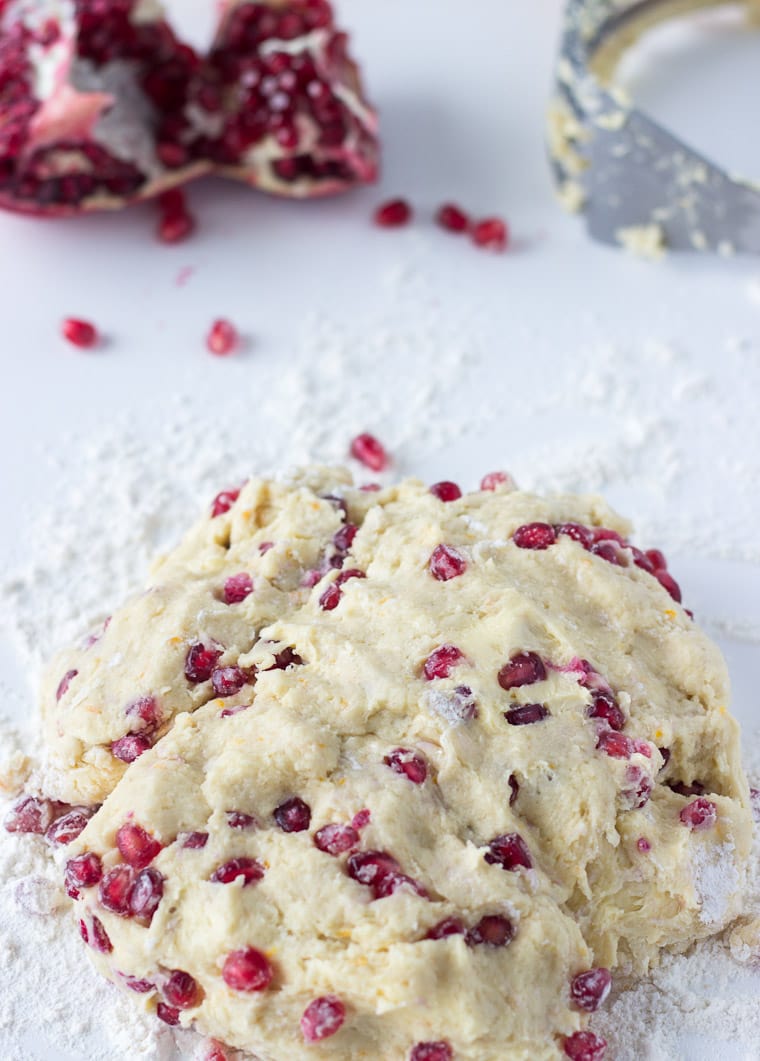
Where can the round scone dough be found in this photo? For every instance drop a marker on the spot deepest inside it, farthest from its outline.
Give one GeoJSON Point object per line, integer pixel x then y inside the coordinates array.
{"type": "Point", "coordinates": [499, 757]}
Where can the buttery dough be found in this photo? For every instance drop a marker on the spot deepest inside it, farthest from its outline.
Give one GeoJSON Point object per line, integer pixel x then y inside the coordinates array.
{"type": "Point", "coordinates": [400, 705]}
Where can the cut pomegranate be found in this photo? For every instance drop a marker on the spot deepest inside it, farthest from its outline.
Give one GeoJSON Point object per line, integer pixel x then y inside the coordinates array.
{"type": "Point", "coordinates": [136, 846]}
{"type": "Point", "coordinates": [293, 816]}
{"type": "Point", "coordinates": [526, 714]}
{"type": "Point", "coordinates": [452, 218]}
{"type": "Point", "coordinates": [64, 683]}
{"type": "Point", "coordinates": [83, 871]}
{"type": "Point", "coordinates": [446, 491]}
{"type": "Point", "coordinates": [380, 872]}
{"type": "Point", "coordinates": [115, 889]}
{"type": "Point", "coordinates": [438, 1051]}
{"type": "Point", "coordinates": [31, 814]}
{"type": "Point", "coordinates": [589, 990]}
{"type": "Point", "coordinates": [168, 1014]}
{"type": "Point", "coordinates": [699, 815]}
{"type": "Point", "coordinates": [223, 502]}
{"type": "Point", "coordinates": [370, 452]}
{"type": "Point", "coordinates": [526, 668]}
{"type": "Point", "coordinates": [223, 338]}
{"type": "Point", "coordinates": [182, 991]}
{"type": "Point", "coordinates": [510, 852]}
{"type": "Point", "coordinates": [450, 926]}
{"type": "Point", "coordinates": [249, 870]}
{"type": "Point", "coordinates": [336, 839]}
{"type": "Point", "coordinates": [492, 930]}
{"type": "Point", "coordinates": [408, 763]}
{"type": "Point", "coordinates": [322, 1018]}
{"type": "Point", "coordinates": [247, 970]}
{"type": "Point", "coordinates": [441, 662]}
{"type": "Point", "coordinates": [446, 563]}
{"type": "Point", "coordinates": [78, 332]}
{"type": "Point", "coordinates": [146, 894]}
{"type": "Point", "coordinates": [100, 940]}
{"type": "Point", "coordinates": [492, 234]}
{"type": "Point", "coordinates": [494, 480]}
{"type": "Point", "coordinates": [193, 841]}
{"type": "Point", "coordinates": [67, 828]}
{"type": "Point", "coordinates": [584, 1046]}
{"type": "Point", "coordinates": [394, 214]}
{"type": "Point", "coordinates": [237, 588]}
{"type": "Point", "coordinates": [604, 705]}
{"type": "Point", "coordinates": [130, 747]}
{"type": "Point", "coordinates": [200, 662]}
{"type": "Point", "coordinates": [534, 536]}
{"type": "Point", "coordinates": [226, 681]}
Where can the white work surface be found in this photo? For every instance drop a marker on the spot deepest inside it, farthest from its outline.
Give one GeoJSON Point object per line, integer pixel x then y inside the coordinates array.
{"type": "Point", "coordinates": [637, 379]}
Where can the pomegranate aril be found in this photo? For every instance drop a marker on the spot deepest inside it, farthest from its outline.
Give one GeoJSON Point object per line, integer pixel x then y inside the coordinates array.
{"type": "Point", "coordinates": [446, 563]}
{"type": "Point", "coordinates": [344, 538]}
{"type": "Point", "coordinates": [669, 584]}
{"type": "Point", "coordinates": [115, 888]}
{"type": "Point", "coordinates": [370, 452]}
{"type": "Point", "coordinates": [168, 1014]}
{"type": "Point", "coordinates": [450, 926]}
{"type": "Point", "coordinates": [361, 819]}
{"type": "Point", "coordinates": [130, 747]}
{"type": "Point", "coordinates": [79, 333]}
{"type": "Point", "coordinates": [492, 930]}
{"type": "Point", "coordinates": [393, 214]}
{"type": "Point", "coordinates": [336, 839]}
{"type": "Point", "coordinates": [223, 502]}
{"type": "Point", "coordinates": [136, 846]}
{"type": "Point", "coordinates": [331, 597]}
{"type": "Point", "coordinates": [146, 894]}
{"type": "Point", "coordinates": [247, 970]}
{"type": "Point", "coordinates": [699, 815]}
{"type": "Point", "coordinates": [583, 535]}
{"type": "Point", "coordinates": [249, 870]}
{"type": "Point", "coordinates": [510, 852]}
{"type": "Point", "coordinates": [64, 683]}
{"type": "Point", "coordinates": [223, 338]}
{"type": "Point", "coordinates": [442, 661]}
{"type": "Point", "coordinates": [452, 218]}
{"type": "Point", "coordinates": [227, 681]}
{"type": "Point", "coordinates": [237, 588]}
{"type": "Point", "coordinates": [437, 1051]}
{"type": "Point", "coordinates": [491, 234]}
{"type": "Point", "coordinates": [193, 841]}
{"type": "Point", "coordinates": [589, 990]}
{"type": "Point", "coordinates": [494, 480]}
{"type": "Point", "coordinates": [147, 710]}
{"type": "Point", "coordinates": [140, 987]}
{"type": "Point", "coordinates": [605, 706]}
{"type": "Point", "coordinates": [446, 491]}
{"type": "Point", "coordinates": [514, 789]}
{"type": "Point", "coordinates": [656, 559]}
{"type": "Point", "coordinates": [585, 1046]}
{"type": "Point", "coordinates": [83, 871]}
{"type": "Point", "coordinates": [407, 763]}
{"type": "Point", "coordinates": [380, 872]}
{"type": "Point", "coordinates": [237, 820]}
{"type": "Point", "coordinates": [526, 714]}
{"type": "Point", "coordinates": [348, 574]}
{"type": "Point", "coordinates": [182, 991]}
{"type": "Point", "coordinates": [616, 745]}
{"type": "Point", "coordinates": [534, 536]}
{"type": "Point", "coordinates": [31, 814]}
{"type": "Point", "coordinates": [696, 788]}
{"type": "Point", "coordinates": [293, 816]}
{"type": "Point", "coordinates": [322, 1018]}
{"type": "Point", "coordinates": [99, 940]}
{"type": "Point", "coordinates": [175, 228]}
{"type": "Point", "coordinates": [637, 788]}
{"type": "Point", "coordinates": [609, 551]}
{"type": "Point", "coordinates": [200, 662]}
{"type": "Point", "coordinates": [525, 668]}
{"type": "Point", "coordinates": [67, 828]}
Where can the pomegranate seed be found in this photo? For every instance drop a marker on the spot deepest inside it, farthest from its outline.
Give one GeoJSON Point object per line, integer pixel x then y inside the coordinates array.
{"type": "Point", "coordinates": [344, 538]}
{"type": "Point", "coordinates": [200, 662]}
{"type": "Point", "coordinates": [31, 815]}
{"type": "Point", "coordinates": [442, 661]}
{"type": "Point", "coordinates": [589, 990]}
{"type": "Point", "coordinates": [393, 214]}
{"type": "Point", "coordinates": [79, 333]}
{"type": "Point", "coordinates": [331, 597]}
{"type": "Point", "coordinates": [450, 926]}
{"type": "Point", "coordinates": [604, 705]}
{"type": "Point", "coordinates": [526, 668]}
{"type": "Point", "coordinates": [194, 841]}
{"type": "Point", "coordinates": [250, 870]}
{"type": "Point", "coordinates": [514, 789]}
{"type": "Point", "coordinates": [349, 573]}
{"type": "Point", "coordinates": [534, 536]}
{"type": "Point", "coordinates": [440, 1051]}
{"type": "Point", "coordinates": [336, 839]}
{"type": "Point", "coordinates": [100, 940]}
{"type": "Point", "coordinates": [380, 872]}
{"type": "Point", "coordinates": [643, 845]}
{"type": "Point", "coordinates": [509, 851]}
{"type": "Point", "coordinates": [237, 588]}
{"type": "Point", "coordinates": [83, 871]}
{"type": "Point", "coordinates": [322, 1018]}
{"type": "Point", "coordinates": [293, 816]}
{"type": "Point", "coordinates": [130, 747]}
{"type": "Point", "coordinates": [370, 452]}
{"type": "Point", "coordinates": [237, 820]}
{"type": "Point", "coordinates": [492, 234]}
{"type": "Point", "coordinates": [146, 894]}
{"type": "Point", "coordinates": [223, 502]}
{"type": "Point", "coordinates": [696, 788]}
{"type": "Point", "coordinates": [492, 930]}
{"type": "Point", "coordinates": [609, 551]}
{"type": "Point", "coordinates": [606, 534]}
{"type": "Point", "coordinates": [66, 829]}
{"type": "Point", "coordinates": [137, 847]}
{"type": "Point", "coordinates": [64, 683]}
{"type": "Point", "coordinates": [446, 491]}
{"type": "Point", "coordinates": [699, 815]}
{"type": "Point", "coordinates": [247, 970]}
{"type": "Point", "coordinates": [410, 764]}
{"type": "Point", "coordinates": [182, 991]}
{"type": "Point", "coordinates": [616, 745]}
{"type": "Point", "coordinates": [216, 1052]}
{"type": "Point", "coordinates": [446, 563]}
{"type": "Point", "coordinates": [167, 1014]}
{"type": "Point", "coordinates": [669, 583]}
{"type": "Point", "coordinates": [115, 888]}
{"type": "Point", "coordinates": [226, 681]}
{"type": "Point", "coordinates": [656, 559]}
{"type": "Point", "coordinates": [175, 228]}
{"type": "Point", "coordinates": [361, 819]}
{"type": "Point", "coordinates": [146, 709]}
{"type": "Point", "coordinates": [140, 987]}
{"type": "Point", "coordinates": [526, 714]}
{"type": "Point", "coordinates": [637, 788]}
{"type": "Point", "coordinates": [223, 338]}
{"type": "Point", "coordinates": [452, 218]}
{"type": "Point", "coordinates": [584, 1046]}
{"type": "Point", "coordinates": [583, 535]}
{"type": "Point", "coordinates": [494, 480]}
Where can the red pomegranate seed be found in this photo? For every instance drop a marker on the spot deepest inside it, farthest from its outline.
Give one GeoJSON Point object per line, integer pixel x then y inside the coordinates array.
{"type": "Point", "coordinates": [130, 747]}
{"type": "Point", "coordinates": [200, 662]}
{"type": "Point", "coordinates": [237, 588]}
{"type": "Point", "coordinates": [182, 991]}
{"type": "Point", "coordinates": [322, 1018]}
{"type": "Point", "coordinates": [584, 1046]}
{"type": "Point", "coordinates": [361, 819]}
{"type": "Point", "coordinates": [492, 930]}
{"type": "Point", "coordinates": [167, 1014]}
{"type": "Point", "coordinates": [223, 338]}
{"type": "Point", "coordinates": [446, 491]}
{"type": "Point", "coordinates": [604, 705]}
{"type": "Point", "coordinates": [79, 333]}
{"type": "Point", "coordinates": [64, 683]}
{"type": "Point", "coordinates": [637, 788]}
{"type": "Point", "coordinates": [393, 214]}
{"type": "Point", "coordinates": [293, 816]}
{"type": "Point", "coordinates": [441, 662]}
{"type": "Point", "coordinates": [115, 888]}
{"type": "Point", "coordinates": [145, 709]}
{"type": "Point", "coordinates": [336, 839]}
{"type": "Point", "coordinates": [699, 815]}
{"type": "Point", "coordinates": [452, 218]}
{"type": "Point", "coordinates": [494, 480]}
{"type": "Point", "coordinates": [175, 228]}
{"type": "Point", "coordinates": [370, 452]}
{"type": "Point", "coordinates": [137, 847]}
{"type": "Point", "coordinates": [589, 990]}
{"type": "Point", "coordinates": [100, 940]}
{"type": "Point", "coordinates": [492, 234]}
{"type": "Point", "coordinates": [247, 970]}
{"type": "Point", "coordinates": [83, 871]}
{"type": "Point", "coordinates": [534, 536]}
{"type": "Point", "coordinates": [450, 926]}
{"type": "Point", "coordinates": [194, 841]}
{"type": "Point", "coordinates": [609, 551]}
{"type": "Point", "coordinates": [509, 851]}
{"type": "Point", "coordinates": [606, 534]}
{"type": "Point", "coordinates": [643, 845]}
{"type": "Point", "coordinates": [31, 814]}
{"type": "Point", "coordinates": [514, 789]}
{"type": "Point", "coordinates": [140, 987]}
{"type": "Point", "coordinates": [446, 563]}
{"type": "Point", "coordinates": [216, 1052]}
{"type": "Point", "coordinates": [69, 827]}
{"type": "Point", "coordinates": [349, 573]}
{"type": "Point", "coordinates": [330, 597]}
{"type": "Point", "coordinates": [669, 583]}
{"type": "Point", "coordinates": [616, 745]}
{"type": "Point", "coordinates": [380, 872]}
{"type": "Point", "coordinates": [249, 870]}
{"type": "Point", "coordinates": [408, 763]}
{"type": "Point", "coordinates": [439, 1051]}
{"type": "Point", "coordinates": [223, 502]}
{"type": "Point", "coordinates": [226, 681]}
{"type": "Point", "coordinates": [656, 559]}
{"type": "Point", "coordinates": [146, 894]}
{"type": "Point", "coordinates": [344, 538]}
{"type": "Point", "coordinates": [583, 535]}
{"type": "Point", "coordinates": [526, 714]}
{"type": "Point", "coordinates": [237, 820]}
{"type": "Point", "coordinates": [525, 668]}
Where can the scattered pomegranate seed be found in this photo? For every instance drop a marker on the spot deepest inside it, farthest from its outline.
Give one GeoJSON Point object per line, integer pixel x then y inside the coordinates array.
{"type": "Point", "coordinates": [492, 234]}
{"type": "Point", "coordinates": [115, 888]}
{"type": "Point", "coordinates": [525, 668]}
{"type": "Point", "coordinates": [446, 491]}
{"type": "Point", "coordinates": [237, 588]}
{"type": "Point", "coordinates": [31, 814]}
{"type": "Point", "coordinates": [509, 851]}
{"type": "Point", "coordinates": [526, 714]}
{"type": "Point", "coordinates": [146, 894]}
{"type": "Point", "coordinates": [446, 563]}
{"type": "Point", "coordinates": [393, 214]}
{"type": "Point", "coordinates": [370, 452]}
{"type": "Point", "coordinates": [237, 820]}
{"type": "Point", "coordinates": [200, 662]}
{"type": "Point", "coordinates": [699, 815]}
{"type": "Point", "coordinates": [293, 816]}
{"type": "Point", "coordinates": [322, 1018]}
{"type": "Point", "coordinates": [167, 1014]}
{"type": "Point", "coordinates": [64, 683]}
{"type": "Point", "coordinates": [194, 841]}
{"type": "Point", "coordinates": [380, 872]}
{"type": "Point", "coordinates": [182, 991]}
{"type": "Point", "coordinates": [442, 661]}
{"type": "Point", "coordinates": [330, 597]}
{"type": "Point", "coordinates": [452, 218]}
{"type": "Point", "coordinates": [67, 828]}
{"type": "Point", "coordinates": [250, 870]}
{"type": "Point", "coordinates": [100, 940]}
{"type": "Point", "coordinates": [440, 1051]}
{"type": "Point", "coordinates": [534, 536]}
{"type": "Point", "coordinates": [408, 763]}
{"type": "Point", "coordinates": [175, 228]}
{"type": "Point", "coordinates": [226, 681]}
{"type": "Point", "coordinates": [83, 871]}
{"type": "Point", "coordinates": [494, 480]}
{"type": "Point", "coordinates": [130, 747]}
{"type": "Point", "coordinates": [336, 839]}
{"type": "Point", "coordinates": [589, 990]}
{"type": "Point", "coordinates": [223, 338]}
{"type": "Point", "coordinates": [223, 502]}
{"type": "Point", "coordinates": [604, 705]}
{"type": "Point", "coordinates": [492, 930]}
{"type": "Point", "coordinates": [247, 970]}
{"type": "Point", "coordinates": [584, 1046]}
{"type": "Point", "coordinates": [136, 846]}
{"type": "Point", "coordinates": [606, 534]}
{"type": "Point", "coordinates": [79, 333]}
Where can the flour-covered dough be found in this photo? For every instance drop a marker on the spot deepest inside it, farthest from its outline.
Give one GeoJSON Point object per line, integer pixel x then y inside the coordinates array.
{"type": "Point", "coordinates": [486, 753]}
